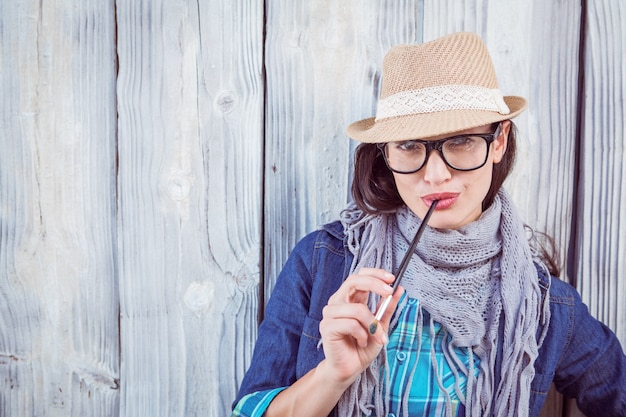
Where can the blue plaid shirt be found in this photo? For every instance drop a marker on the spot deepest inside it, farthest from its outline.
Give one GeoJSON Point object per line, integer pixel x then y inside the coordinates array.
{"type": "Point", "coordinates": [410, 365]}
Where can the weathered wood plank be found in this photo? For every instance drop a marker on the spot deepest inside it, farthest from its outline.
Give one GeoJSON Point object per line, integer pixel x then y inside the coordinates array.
{"type": "Point", "coordinates": [600, 223]}
{"type": "Point", "coordinates": [601, 219]}
{"type": "Point", "coordinates": [58, 293]}
{"type": "Point", "coordinates": [190, 96]}
{"type": "Point", "coordinates": [323, 62]}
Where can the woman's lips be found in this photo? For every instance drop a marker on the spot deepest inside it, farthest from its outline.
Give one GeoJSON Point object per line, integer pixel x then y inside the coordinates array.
{"type": "Point", "coordinates": [445, 199]}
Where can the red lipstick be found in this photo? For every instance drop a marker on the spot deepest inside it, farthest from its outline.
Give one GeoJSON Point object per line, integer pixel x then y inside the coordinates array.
{"type": "Point", "coordinates": [445, 199]}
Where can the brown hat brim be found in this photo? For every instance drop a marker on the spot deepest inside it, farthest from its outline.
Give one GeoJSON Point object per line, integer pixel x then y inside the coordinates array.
{"type": "Point", "coordinates": [427, 125]}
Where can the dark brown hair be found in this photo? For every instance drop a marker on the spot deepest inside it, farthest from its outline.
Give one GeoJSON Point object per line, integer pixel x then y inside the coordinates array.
{"type": "Point", "coordinates": [374, 189]}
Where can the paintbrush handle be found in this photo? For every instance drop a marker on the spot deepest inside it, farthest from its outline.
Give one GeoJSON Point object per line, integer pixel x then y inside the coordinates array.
{"type": "Point", "coordinates": [409, 253]}
{"type": "Point", "coordinates": [403, 265]}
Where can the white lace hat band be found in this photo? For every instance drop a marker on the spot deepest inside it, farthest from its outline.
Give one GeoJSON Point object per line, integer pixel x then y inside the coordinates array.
{"type": "Point", "coordinates": [441, 98]}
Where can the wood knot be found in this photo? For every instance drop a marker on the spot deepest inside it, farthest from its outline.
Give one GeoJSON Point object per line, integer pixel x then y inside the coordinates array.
{"type": "Point", "coordinates": [199, 295]}
{"type": "Point", "coordinates": [225, 101]}
{"type": "Point", "coordinates": [179, 187]}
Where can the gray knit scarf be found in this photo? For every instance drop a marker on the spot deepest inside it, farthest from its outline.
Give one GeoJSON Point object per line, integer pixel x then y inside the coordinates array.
{"type": "Point", "coordinates": [469, 280]}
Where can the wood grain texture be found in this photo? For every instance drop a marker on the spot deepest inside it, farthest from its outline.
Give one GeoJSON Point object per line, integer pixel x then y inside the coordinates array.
{"type": "Point", "coordinates": [323, 62]}
{"type": "Point", "coordinates": [190, 95]}
{"type": "Point", "coordinates": [58, 293]}
{"type": "Point", "coordinates": [600, 223]}
{"type": "Point", "coordinates": [601, 240]}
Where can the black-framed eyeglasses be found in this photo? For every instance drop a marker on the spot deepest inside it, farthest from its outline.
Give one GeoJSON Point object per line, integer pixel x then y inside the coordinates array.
{"type": "Point", "coordinates": [462, 152]}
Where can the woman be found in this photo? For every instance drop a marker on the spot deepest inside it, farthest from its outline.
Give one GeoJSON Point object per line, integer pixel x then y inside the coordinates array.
{"type": "Point", "coordinates": [478, 327]}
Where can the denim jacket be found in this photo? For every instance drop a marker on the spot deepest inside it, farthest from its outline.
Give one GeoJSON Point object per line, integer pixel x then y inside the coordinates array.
{"type": "Point", "coordinates": [580, 355]}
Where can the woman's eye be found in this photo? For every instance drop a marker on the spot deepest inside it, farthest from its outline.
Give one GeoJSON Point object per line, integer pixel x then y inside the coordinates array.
{"type": "Point", "coordinates": [410, 146]}
{"type": "Point", "coordinates": [462, 142]}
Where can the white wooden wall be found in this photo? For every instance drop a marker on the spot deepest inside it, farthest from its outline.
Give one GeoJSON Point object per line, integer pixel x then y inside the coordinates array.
{"type": "Point", "coordinates": [59, 297]}
{"type": "Point", "coordinates": [159, 159]}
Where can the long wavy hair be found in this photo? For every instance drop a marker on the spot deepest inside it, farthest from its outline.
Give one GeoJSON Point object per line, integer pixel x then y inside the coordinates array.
{"type": "Point", "coordinates": [374, 190]}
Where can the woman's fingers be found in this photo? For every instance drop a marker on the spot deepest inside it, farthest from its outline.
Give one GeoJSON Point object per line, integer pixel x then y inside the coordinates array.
{"type": "Point", "coordinates": [346, 340]}
{"type": "Point", "coordinates": [356, 288]}
{"type": "Point", "coordinates": [338, 328]}
{"type": "Point", "coordinates": [346, 319]}
{"type": "Point", "coordinates": [358, 314]}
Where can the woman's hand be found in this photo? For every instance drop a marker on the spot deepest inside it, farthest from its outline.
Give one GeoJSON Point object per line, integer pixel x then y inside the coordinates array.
{"type": "Point", "coordinates": [348, 346]}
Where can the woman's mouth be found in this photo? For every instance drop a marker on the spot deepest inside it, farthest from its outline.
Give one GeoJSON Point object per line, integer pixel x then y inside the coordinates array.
{"type": "Point", "coordinates": [445, 199]}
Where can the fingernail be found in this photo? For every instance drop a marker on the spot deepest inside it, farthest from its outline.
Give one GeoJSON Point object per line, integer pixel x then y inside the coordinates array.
{"type": "Point", "coordinates": [385, 339]}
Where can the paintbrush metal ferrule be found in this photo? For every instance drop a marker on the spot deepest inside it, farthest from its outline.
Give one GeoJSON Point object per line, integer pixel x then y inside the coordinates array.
{"type": "Point", "coordinates": [403, 265]}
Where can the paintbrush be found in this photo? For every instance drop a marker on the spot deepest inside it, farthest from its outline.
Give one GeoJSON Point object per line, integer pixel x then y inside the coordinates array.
{"type": "Point", "coordinates": [403, 265]}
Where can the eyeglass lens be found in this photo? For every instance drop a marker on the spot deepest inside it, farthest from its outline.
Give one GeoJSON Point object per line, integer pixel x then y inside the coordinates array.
{"type": "Point", "coordinates": [459, 152]}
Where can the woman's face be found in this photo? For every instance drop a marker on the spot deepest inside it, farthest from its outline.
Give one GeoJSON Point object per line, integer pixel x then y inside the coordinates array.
{"type": "Point", "coordinates": [460, 193]}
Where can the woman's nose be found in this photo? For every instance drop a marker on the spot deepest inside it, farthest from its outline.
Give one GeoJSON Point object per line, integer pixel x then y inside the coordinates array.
{"type": "Point", "coordinates": [436, 171]}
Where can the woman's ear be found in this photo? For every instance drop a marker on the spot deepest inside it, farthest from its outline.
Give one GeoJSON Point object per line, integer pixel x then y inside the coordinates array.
{"type": "Point", "coordinates": [499, 145]}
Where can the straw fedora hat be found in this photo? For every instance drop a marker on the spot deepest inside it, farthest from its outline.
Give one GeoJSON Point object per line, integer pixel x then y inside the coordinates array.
{"type": "Point", "coordinates": [436, 88]}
